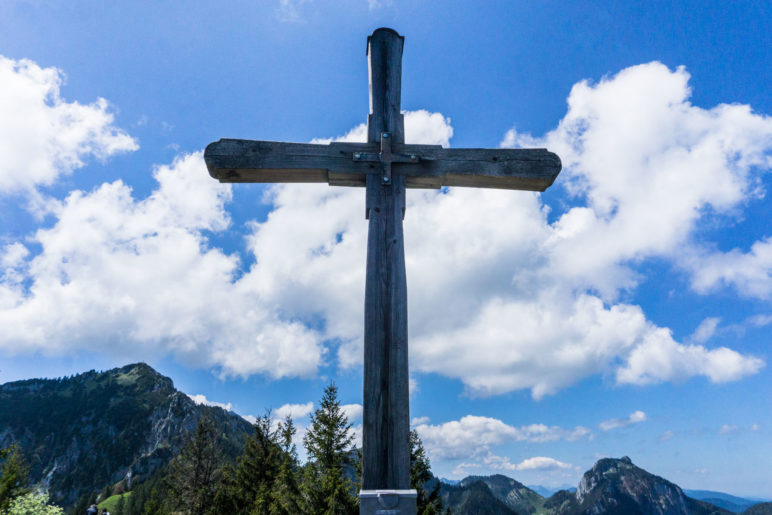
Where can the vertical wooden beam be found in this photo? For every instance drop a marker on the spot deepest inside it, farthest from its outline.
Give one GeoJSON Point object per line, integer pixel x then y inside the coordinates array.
{"type": "Point", "coordinates": [386, 418]}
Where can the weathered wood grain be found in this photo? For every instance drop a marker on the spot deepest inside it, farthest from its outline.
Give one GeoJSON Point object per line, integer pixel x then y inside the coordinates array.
{"type": "Point", "coordinates": [233, 160]}
{"type": "Point", "coordinates": [386, 396]}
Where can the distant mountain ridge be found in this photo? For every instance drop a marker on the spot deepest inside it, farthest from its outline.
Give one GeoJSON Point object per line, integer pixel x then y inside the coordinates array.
{"type": "Point", "coordinates": [728, 502]}
{"type": "Point", "coordinates": [84, 432]}
{"type": "Point", "coordinates": [611, 486]}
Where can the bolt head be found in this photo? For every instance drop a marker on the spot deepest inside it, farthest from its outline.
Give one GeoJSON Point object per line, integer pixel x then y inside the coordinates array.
{"type": "Point", "coordinates": [385, 179]}
{"type": "Point", "coordinates": [385, 134]}
{"type": "Point", "coordinates": [357, 156]}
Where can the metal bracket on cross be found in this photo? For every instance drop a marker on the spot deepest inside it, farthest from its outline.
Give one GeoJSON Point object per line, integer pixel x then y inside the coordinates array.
{"type": "Point", "coordinates": [386, 157]}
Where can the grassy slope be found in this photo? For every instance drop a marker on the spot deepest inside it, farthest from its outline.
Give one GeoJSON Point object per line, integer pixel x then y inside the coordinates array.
{"type": "Point", "coordinates": [111, 502]}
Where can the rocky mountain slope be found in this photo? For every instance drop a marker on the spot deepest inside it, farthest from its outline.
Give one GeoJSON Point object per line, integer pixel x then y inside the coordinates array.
{"type": "Point", "coordinates": [612, 486]}
{"type": "Point", "coordinates": [84, 432]}
{"type": "Point", "coordinates": [618, 486]}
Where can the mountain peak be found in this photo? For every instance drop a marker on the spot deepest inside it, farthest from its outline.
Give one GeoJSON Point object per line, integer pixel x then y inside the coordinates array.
{"type": "Point", "coordinates": [619, 486]}
{"type": "Point", "coordinates": [83, 432]}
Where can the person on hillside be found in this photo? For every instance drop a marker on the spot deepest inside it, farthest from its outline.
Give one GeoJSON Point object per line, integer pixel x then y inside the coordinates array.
{"type": "Point", "coordinates": [92, 510]}
{"type": "Point", "coordinates": [105, 512]}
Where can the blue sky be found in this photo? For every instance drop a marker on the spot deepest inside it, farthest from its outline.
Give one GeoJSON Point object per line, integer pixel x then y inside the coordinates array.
{"type": "Point", "coordinates": [626, 311]}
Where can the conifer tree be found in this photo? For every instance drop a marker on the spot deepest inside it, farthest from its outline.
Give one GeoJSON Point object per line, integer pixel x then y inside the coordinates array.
{"type": "Point", "coordinates": [192, 475]}
{"type": "Point", "coordinates": [329, 442]}
{"type": "Point", "coordinates": [429, 503]}
{"type": "Point", "coordinates": [247, 487]}
{"type": "Point", "coordinates": [285, 495]}
{"type": "Point", "coordinates": [13, 476]}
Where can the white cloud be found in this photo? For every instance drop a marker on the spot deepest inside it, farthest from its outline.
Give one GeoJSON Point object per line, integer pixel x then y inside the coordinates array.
{"type": "Point", "coordinates": [649, 165]}
{"type": "Point", "coordinates": [659, 358]}
{"type": "Point", "coordinates": [421, 127]}
{"type": "Point", "coordinates": [541, 463]}
{"type": "Point", "coordinates": [500, 297]}
{"type": "Point", "coordinates": [41, 135]}
{"type": "Point", "coordinates": [750, 273]}
{"type": "Point", "coordinates": [419, 421]}
{"type": "Point", "coordinates": [294, 410]}
{"type": "Point", "coordinates": [352, 411]}
{"type": "Point", "coordinates": [529, 304]}
{"type": "Point", "coordinates": [755, 427]}
{"type": "Point", "coordinates": [472, 436]}
{"type": "Point", "coordinates": [761, 320]}
{"type": "Point", "coordinates": [137, 278]}
{"type": "Point", "coordinates": [705, 330]}
{"type": "Point", "coordinates": [491, 461]}
{"type": "Point", "coordinates": [635, 417]}
{"type": "Point", "coordinates": [201, 399]}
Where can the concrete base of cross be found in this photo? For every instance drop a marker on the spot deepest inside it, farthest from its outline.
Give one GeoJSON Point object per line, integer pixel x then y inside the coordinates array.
{"type": "Point", "coordinates": [387, 502]}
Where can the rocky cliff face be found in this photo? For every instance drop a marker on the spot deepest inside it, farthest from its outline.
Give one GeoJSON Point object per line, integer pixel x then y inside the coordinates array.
{"type": "Point", "coordinates": [619, 487]}
{"type": "Point", "coordinates": [82, 433]}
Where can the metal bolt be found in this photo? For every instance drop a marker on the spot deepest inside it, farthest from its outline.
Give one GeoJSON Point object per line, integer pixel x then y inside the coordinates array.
{"type": "Point", "coordinates": [413, 157]}
{"type": "Point", "coordinates": [357, 156]}
{"type": "Point", "coordinates": [385, 179]}
{"type": "Point", "coordinates": [385, 134]}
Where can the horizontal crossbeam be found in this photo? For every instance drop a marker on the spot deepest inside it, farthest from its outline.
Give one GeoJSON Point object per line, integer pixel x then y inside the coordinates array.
{"type": "Point", "coordinates": [348, 164]}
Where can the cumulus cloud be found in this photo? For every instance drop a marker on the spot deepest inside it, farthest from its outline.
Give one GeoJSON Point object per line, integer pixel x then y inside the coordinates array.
{"type": "Point", "coordinates": [137, 277]}
{"type": "Point", "coordinates": [541, 463]}
{"type": "Point", "coordinates": [294, 410]}
{"type": "Point", "coordinates": [41, 135]}
{"type": "Point", "coordinates": [650, 166]}
{"type": "Point", "coordinates": [352, 411]}
{"type": "Point", "coordinates": [749, 272]}
{"type": "Point", "coordinates": [473, 436]}
{"type": "Point", "coordinates": [635, 417]}
{"type": "Point", "coordinates": [421, 127]}
{"type": "Point", "coordinates": [500, 297]}
{"type": "Point", "coordinates": [529, 304]}
{"type": "Point", "coordinates": [494, 462]}
{"type": "Point", "coordinates": [201, 399]}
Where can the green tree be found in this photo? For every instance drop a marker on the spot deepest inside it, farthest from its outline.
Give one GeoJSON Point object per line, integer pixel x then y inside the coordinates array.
{"type": "Point", "coordinates": [154, 505]}
{"type": "Point", "coordinates": [247, 487]}
{"type": "Point", "coordinates": [285, 494]}
{"type": "Point", "coordinates": [328, 442]}
{"type": "Point", "coordinates": [33, 503]}
{"type": "Point", "coordinates": [13, 476]}
{"type": "Point", "coordinates": [429, 503]}
{"type": "Point", "coordinates": [193, 472]}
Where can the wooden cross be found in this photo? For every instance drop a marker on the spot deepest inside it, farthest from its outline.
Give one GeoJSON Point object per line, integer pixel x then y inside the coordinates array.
{"type": "Point", "coordinates": [386, 166]}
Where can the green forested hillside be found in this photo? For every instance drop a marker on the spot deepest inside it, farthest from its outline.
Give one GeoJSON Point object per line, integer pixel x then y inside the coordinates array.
{"type": "Point", "coordinates": [81, 433]}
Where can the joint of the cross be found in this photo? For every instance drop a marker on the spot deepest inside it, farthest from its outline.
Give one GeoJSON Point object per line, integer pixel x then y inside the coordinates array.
{"type": "Point", "coordinates": [386, 157]}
